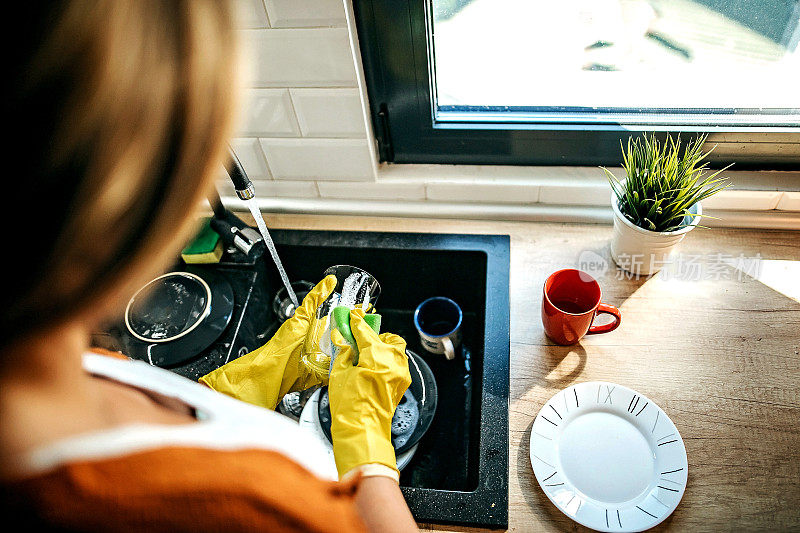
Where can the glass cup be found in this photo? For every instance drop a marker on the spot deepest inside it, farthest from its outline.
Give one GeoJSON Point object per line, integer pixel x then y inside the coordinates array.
{"type": "Point", "coordinates": [355, 288]}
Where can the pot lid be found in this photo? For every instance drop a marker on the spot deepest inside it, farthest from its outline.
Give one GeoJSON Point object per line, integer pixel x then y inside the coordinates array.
{"type": "Point", "coordinates": [169, 307]}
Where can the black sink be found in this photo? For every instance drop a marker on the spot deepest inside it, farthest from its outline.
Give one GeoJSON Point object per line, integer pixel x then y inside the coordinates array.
{"type": "Point", "coordinates": [459, 474]}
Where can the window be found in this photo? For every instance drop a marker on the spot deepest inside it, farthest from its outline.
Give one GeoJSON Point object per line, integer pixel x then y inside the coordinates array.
{"type": "Point", "coordinates": [562, 82]}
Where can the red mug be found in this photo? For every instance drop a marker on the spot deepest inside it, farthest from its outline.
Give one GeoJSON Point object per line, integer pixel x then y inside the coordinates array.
{"type": "Point", "coordinates": [570, 301]}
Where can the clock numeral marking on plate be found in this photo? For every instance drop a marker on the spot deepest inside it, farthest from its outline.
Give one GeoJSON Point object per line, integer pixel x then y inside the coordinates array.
{"type": "Point", "coordinates": [551, 475]}
{"type": "Point", "coordinates": [642, 409]}
{"type": "Point", "coordinates": [667, 488]}
{"type": "Point", "coordinates": [656, 422]}
{"type": "Point", "coordinates": [632, 405]}
{"type": "Point", "coordinates": [556, 412]}
{"type": "Point", "coordinates": [545, 462]}
{"type": "Point", "coordinates": [666, 441]}
{"type": "Point", "coordinates": [580, 502]}
{"type": "Point", "coordinates": [576, 397]}
{"type": "Point", "coordinates": [543, 436]}
{"type": "Point", "coordinates": [578, 508]}
{"type": "Point", "coordinates": [549, 420]}
{"type": "Point", "coordinates": [672, 471]}
{"type": "Point", "coordinates": [645, 512]}
{"type": "Point", "coordinates": [609, 390]}
{"type": "Point", "coordinates": [619, 520]}
{"type": "Point", "coordinates": [659, 501]}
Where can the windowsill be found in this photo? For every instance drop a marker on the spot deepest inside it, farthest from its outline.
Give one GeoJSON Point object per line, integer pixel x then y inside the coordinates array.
{"type": "Point", "coordinates": [774, 219]}
{"type": "Point", "coordinates": [581, 186]}
{"type": "Point", "coordinates": [484, 192]}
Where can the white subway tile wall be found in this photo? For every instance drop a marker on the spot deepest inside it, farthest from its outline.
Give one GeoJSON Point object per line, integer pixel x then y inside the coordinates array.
{"type": "Point", "coordinates": [305, 13]}
{"type": "Point", "coordinates": [271, 188]}
{"type": "Point", "coordinates": [790, 201]}
{"type": "Point", "coordinates": [744, 200]}
{"type": "Point", "coordinates": [372, 191]}
{"type": "Point", "coordinates": [477, 192]}
{"type": "Point", "coordinates": [329, 112]}
{"type": "Point", "coordinates": [251, 14]}
{"type": "Point", "coordinates": [576, 194]}
{"type": "Point", "coordinates": [304, 129]}
{"type": "Point", "coordinates": [303, 119]}
{"type": "Point", "coordinates": [269, 113]}
{"type": "Point", "coordinates": [319, 159]}
{"type": "Point", "coordinates": [300, 57]}
{"type": "Point", "coordinates": [251, 157]}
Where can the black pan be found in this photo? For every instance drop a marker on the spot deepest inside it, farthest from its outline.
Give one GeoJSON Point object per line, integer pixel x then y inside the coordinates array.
{"type": "Point", "coordinates": [178, 315]}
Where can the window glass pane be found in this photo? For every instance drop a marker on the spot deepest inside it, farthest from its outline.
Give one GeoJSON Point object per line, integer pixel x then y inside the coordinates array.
{"type": "Point", "coordinates": [728, 61]}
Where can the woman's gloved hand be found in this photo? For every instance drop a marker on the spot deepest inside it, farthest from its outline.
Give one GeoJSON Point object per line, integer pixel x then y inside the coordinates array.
{"type": "Point", "coordinates": [363, 398]}
{"type": "Point", "coordinates": [263, 376]}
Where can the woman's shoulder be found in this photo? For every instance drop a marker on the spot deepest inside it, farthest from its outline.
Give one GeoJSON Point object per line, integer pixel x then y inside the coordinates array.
{"type": "Point", "coordinates": [240, 467]}
{"type": "Point", "coordinates": [181, 488]}
{"type": "Point", "coordinates": [223, 423]}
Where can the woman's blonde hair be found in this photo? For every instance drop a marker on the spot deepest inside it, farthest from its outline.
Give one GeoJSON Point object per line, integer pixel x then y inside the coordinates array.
{"type": "Point", "coordinates": [121, 109]}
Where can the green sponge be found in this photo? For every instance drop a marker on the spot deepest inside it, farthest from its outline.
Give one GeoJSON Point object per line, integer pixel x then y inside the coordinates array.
{"type": "Point", "coordinates": [206, 247]}
{"type": "Point", "coordinates": [341, 321]}
{"type": "Point", "coordinates": [373, 320]}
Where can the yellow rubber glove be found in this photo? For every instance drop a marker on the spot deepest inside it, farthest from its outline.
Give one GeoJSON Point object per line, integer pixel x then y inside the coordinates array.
{"type": "Point", "coordinates": [263, 376]}
{"type": "Point", "coordinates": [363, 398]}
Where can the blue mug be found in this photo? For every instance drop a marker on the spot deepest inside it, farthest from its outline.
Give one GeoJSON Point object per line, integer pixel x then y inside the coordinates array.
{"type": "Point", "coordinates": [438, 322]}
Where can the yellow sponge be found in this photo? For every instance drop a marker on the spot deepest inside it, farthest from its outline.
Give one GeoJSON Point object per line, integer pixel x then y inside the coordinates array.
{"type": "Point", "coordinates": [205, 248]}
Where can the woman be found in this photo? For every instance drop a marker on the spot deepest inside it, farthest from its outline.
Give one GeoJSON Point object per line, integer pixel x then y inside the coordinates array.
{"type": "Point", "coordinates": [122, 109]}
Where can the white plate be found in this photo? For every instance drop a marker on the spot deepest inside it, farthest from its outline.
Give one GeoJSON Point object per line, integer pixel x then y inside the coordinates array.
{"type": "Point", "coordinates": [608, 457]}
{"type": "Point", "coordinates": [309, 418]}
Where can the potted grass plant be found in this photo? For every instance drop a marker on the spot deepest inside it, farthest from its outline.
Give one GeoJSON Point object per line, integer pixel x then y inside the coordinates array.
{"type": "Point", "coordinates": [658, 201]}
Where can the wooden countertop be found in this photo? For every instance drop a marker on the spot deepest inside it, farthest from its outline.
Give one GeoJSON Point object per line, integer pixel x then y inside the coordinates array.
{"type": "Point", "coordinates": [721, 356]}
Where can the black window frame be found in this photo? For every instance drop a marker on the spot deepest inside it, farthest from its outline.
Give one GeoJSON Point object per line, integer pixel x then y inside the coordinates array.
{"type": "Point", "coordinates": [395, 43]}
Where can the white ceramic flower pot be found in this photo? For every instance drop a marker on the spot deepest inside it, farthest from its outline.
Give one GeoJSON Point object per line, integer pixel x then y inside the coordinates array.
{"type": "Point", "coordinates": [644, 252]}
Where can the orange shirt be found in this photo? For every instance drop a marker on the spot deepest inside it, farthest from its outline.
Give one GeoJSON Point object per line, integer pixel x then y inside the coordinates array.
{"type": "Point", "coordinates": [179, 486]}
{"type": "Point", "coordinates": [185, 489]}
